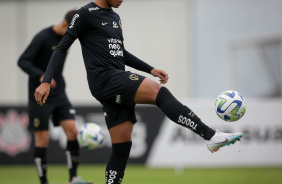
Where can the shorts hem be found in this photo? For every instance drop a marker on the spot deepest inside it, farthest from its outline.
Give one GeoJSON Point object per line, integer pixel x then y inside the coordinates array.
{"type": "Point", "coordinates": [119, 122]}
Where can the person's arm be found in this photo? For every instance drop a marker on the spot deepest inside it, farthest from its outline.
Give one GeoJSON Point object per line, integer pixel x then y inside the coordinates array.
{"type": "Point", "coordinates": [76, 28]}
{"type": "Point", "coordinates": [134, 62]}
{"type": "Point", "coordinates": [29, 55]}
{"type": "Point", "coordinates": [58, 56]}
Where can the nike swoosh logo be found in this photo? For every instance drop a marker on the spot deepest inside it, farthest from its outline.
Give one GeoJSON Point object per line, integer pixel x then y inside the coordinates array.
{"type": "Point", "coordinates": [223, 142]}
{"type": "Point", "coordinates": [104, 23]}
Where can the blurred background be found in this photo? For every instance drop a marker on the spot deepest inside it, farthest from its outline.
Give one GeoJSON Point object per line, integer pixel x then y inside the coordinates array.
{"type": "Point", "coordinates": [206, 47]}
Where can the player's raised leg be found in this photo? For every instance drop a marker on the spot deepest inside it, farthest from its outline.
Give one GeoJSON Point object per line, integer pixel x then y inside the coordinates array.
{"type": "Point", "coordinates": [153, 93]}
{"type": "Point", "coordinates": [150, 92]}
{"type": "Point", "coordinates": [121, 145]}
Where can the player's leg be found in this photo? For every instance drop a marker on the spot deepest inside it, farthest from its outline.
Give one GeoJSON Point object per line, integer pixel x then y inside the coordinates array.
{"type": "Point", "coordinates": [39, 118]}
{"type": "Point", "coordinates": [40, 151]}
{"type": "Point", "coordinates": [150, 92]}
{"type": "Point", "coordinates": [120, 120]}
{"type": "Point", "coordinates": [121, 145]}
{"type": "Point", "coordinates": [72, 149]}
{"type": "Point", "coordinates": [64, 115]}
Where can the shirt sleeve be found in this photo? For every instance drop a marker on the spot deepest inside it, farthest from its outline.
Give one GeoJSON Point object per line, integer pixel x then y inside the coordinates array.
{"type": "Point", "coordinates": [58, 57]}
{"type": "Point", "coordinates": [29, 55]}
{"type": "Point", "coordinates": [134, 62]}
{"type": "Point", "coordinates": [78, 23]}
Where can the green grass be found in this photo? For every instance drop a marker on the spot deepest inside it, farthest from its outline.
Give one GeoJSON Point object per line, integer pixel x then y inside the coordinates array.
{"type": "Point", "coordinates": [137, 174]}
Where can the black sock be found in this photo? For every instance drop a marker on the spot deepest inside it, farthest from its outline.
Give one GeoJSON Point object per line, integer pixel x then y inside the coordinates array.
{"type": "Point", "coordinates": [181, 114]}
{"type": "Point", "coordinates": [41, 164]}
{"type": "Point", "coordinates": [117, 162]}
{"type": "Point", "coordinates": [72, 154]}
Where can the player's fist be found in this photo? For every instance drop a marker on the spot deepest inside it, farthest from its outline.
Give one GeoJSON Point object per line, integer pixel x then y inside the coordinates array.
{"type": "Point", "coordinates": [161, 74]}
{"type": "Point", "coordinates": [42, 92]}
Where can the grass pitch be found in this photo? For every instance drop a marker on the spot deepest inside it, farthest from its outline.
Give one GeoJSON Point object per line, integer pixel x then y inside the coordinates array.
{"type": "Point", "coordinates": [138, 174]}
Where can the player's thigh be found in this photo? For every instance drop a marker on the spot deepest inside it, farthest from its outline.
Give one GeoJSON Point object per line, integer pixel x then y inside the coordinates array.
{"type": "Point", "coordinates": [70, 129]}
{"type": "Point", "coordinates": [147, 92]}
{"type": "Point", "coordinates": [122, 132]}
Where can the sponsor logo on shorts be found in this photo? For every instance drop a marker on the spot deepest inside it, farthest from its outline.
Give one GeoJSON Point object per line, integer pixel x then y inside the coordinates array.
{"type": "Point", "coordinates": [53, 47]}
{"type": "Point", "coordinates": [133, 77]}
{"type": "Point", "coordinates": [36, 122]}
{"type": "Point", "coordinates": [118, 99]}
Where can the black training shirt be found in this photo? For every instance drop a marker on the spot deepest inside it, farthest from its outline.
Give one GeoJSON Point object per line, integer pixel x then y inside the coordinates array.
{"type": "Point", "coordinates": [99, 31]}
{"type": "Point", "coordinates": [35, 59]}
{"type": "Point", "coordinates": [100, 34]}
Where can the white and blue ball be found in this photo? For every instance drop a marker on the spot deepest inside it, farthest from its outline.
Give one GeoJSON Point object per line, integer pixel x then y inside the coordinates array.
{"type": "Point", "coordinates": [90, 136]}
{"type": "Point", "coordinates": [230, 106]}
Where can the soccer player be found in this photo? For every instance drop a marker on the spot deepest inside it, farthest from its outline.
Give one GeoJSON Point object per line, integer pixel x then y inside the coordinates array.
{"type": "Point", "coordinates": [99, 31]}
{"type": "Point", "coordinates": [34, 61]}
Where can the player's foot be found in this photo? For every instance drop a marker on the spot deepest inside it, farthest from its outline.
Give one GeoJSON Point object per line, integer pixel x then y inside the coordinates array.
{"type": "Point", "coordinates": [77, 180]}
{"type": "Point", "coordinates": [222, 139]}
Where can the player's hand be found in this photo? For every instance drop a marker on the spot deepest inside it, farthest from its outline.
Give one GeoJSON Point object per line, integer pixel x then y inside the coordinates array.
{"type": "Point", "coordinates": [53, 82]}
{"type": "Point", "coordinates": [42, 92]}
{"type": "Point", "coordinates": [161, 74]}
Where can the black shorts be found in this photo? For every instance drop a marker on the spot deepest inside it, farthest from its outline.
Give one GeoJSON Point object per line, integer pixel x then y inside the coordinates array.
{"type": "Point", "coordinates": [57, 108]}
{"type": "Point", "coordinates": [117, 97]}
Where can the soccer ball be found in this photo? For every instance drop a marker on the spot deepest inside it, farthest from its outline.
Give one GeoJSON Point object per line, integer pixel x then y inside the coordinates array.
{"type": "Point", "coordinates": [230, 106]}
{"type": "Point", "coordinates": [90, 136]}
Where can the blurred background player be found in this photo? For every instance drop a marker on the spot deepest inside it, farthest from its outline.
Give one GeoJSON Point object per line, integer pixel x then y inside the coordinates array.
{"type": "Point", "coordinates": [99, 31]}
{"type": "Point", "coordinates": [34, 61]}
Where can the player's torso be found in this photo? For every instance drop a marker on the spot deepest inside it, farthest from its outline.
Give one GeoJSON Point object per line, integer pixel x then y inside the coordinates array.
{"type": "Point", "coordinates": [103, 38]}
{"type": "Point", "coordinates": [50, 41]}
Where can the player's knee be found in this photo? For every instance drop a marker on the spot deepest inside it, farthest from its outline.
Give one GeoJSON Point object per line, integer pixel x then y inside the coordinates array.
{"type": "Point", "coordinates": [163, 93]}
{"type": "Point", "coordinates": [72, 133]}
{"type": "Point", "coordinates": [42, 138]}
{"type": "Point", "coordinates": [154, 90]}
{"type": "Point", "coordinates": [121, 132]}
{"type": "Point", "coordinates": [147, 92]}
{"type": "Point", "coordinates": [155, 93]}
